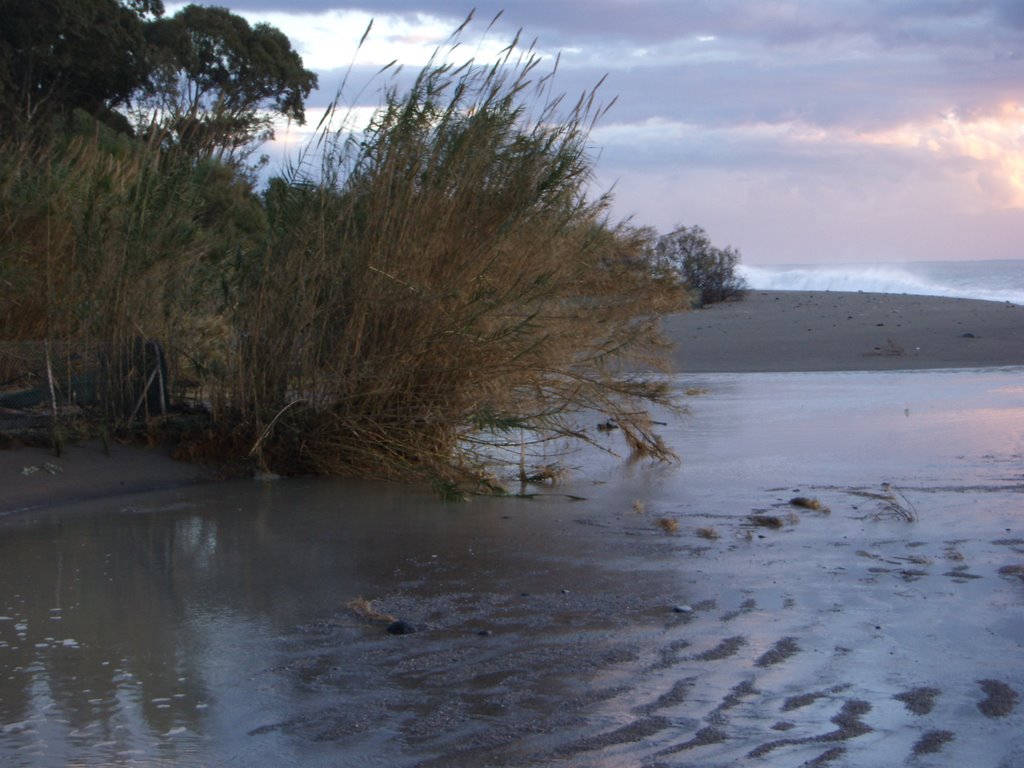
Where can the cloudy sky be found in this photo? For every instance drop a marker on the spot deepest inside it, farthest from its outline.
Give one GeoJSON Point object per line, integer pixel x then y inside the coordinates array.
{"type": "Point", "coordinates": [799, 131]}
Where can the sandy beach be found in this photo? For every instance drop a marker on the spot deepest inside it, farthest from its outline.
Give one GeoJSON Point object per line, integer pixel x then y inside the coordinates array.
{"type": "Point", "coordinates": [831, 576]}
{"type": "Point", "coordinates": [831, 331]}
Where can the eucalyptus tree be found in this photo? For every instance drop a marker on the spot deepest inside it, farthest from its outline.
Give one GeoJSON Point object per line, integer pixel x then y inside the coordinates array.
{"type": "Point", "coordinates": [217, 83]}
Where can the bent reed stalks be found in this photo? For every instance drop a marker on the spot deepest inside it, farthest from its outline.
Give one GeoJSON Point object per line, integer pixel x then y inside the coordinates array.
{"type": "Point", "coordinates": [439, 287]}
{"type": "Point", "coordinates": [441, 280]}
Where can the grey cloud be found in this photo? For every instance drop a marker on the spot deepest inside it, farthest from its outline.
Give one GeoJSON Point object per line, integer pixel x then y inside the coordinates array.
{"type": "Point", "coordinates": [860, 62]}
{"type": "Point", "coordinates": [778, 23]}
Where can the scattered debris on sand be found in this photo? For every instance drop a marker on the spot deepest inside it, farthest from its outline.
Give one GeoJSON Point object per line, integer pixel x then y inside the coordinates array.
{"type": "Point", "coordinates": [808, 503]}
{"type": "Point", "coordinates": [667, 524]}
{"type": "Point", "coordinates": [364, 609]}
{"type": "Point", "coordinates": [932, 741]}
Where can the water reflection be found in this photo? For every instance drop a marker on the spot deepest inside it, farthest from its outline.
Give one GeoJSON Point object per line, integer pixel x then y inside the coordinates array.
{"type": "Point", "coordinates": [111, 623]}
{"type": "Point", "coordinates": [206, 626]}
{"type": "Point", "coordinates": [156, 632]}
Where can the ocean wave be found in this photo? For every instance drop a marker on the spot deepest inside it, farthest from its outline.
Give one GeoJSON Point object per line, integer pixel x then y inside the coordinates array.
{"type": "Point", "coordinates": [971, 281]}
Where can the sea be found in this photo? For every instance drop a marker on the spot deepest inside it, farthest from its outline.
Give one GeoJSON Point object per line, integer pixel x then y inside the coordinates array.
{"type": "Point", "coordinates": [991, 280]}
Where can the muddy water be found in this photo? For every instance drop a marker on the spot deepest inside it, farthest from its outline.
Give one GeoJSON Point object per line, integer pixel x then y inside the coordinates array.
{"type": "Point", "coordinates": [208, 626]}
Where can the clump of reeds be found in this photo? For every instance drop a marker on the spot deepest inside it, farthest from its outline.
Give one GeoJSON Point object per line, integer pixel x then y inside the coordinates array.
{"type": "Point", "coordinates": [443, 285]}
{"type": "Point", "coordinates": [104, 248]}
{"type": "Point", "coordinates": [439, 289]}
{"type": "Point", "coordinates": [893, 503]}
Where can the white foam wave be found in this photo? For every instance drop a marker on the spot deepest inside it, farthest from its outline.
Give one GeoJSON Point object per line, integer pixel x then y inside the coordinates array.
{"type": "Point", "coordinates": [877, 279]}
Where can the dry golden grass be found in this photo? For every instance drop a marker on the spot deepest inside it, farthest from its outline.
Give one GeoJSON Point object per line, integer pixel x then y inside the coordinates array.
{"type": "Point", "coordinates": [101, 249]}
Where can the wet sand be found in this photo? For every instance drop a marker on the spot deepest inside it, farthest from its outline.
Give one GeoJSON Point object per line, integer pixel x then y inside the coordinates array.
{"type": "Point", "coordinates": [36, 478]}
{"type": "Point", "coordinates": [883, 627]}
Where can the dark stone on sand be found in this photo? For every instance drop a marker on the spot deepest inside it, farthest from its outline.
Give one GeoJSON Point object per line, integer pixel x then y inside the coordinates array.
{"type": "Point", "coordinates": [401, 628]}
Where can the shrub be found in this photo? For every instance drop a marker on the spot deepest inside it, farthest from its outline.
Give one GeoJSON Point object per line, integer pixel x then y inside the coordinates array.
{"type": "Point", "coordinates": [709, 272]}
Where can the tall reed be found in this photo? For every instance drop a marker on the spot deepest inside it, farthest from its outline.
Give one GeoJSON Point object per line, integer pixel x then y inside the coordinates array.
{"type": "Point", "coordinates": [101, 246]}
{"type": "Point", "coordinates": [441, 276]}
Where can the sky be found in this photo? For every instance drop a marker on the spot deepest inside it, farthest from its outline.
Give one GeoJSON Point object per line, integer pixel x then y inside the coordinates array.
{"type": "Point", "coordinates": [797, 131]}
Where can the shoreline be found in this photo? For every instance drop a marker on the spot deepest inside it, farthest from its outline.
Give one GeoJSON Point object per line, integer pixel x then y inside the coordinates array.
{"type": "Point", "coordinates": [766, 332]}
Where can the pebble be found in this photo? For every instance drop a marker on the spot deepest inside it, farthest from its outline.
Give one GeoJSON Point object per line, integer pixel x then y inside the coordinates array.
{"type": "Point", "coordinates": [683, 609]}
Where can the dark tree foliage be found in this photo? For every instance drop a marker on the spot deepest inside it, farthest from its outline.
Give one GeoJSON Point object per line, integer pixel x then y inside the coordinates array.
{"type": "Point", "coordinates": [203, 79]}
{"type": "Point", "coordinates": [217, 82]}
{"type": "Point", "coordinates": [60, 55]}
{"type": "Point", "coordinates": [708, 271]}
